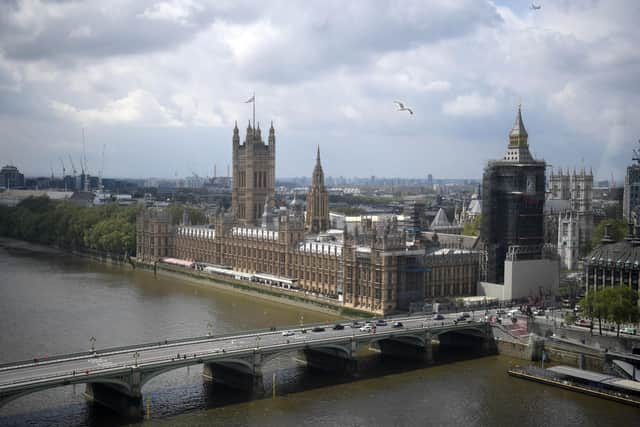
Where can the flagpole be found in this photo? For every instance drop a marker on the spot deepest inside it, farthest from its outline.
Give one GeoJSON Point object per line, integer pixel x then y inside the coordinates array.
{"type": "Point", "coordinates": [254, 110]}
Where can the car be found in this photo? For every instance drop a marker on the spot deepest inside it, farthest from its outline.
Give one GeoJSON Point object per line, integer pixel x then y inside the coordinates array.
{"type": "Point", "coordinates": [366, 328]}
{"type": "Point", "coordinates": [338, 327]}
{"type": "Point", "coordinates": [501, 312]}
{"type": "Point", "coordinates": [438, 316]}
{"type": "Point", "coordinates": [317, 329]}
{"type": "Point", "coordinates": [381, 322]}
{"type": "Point", "coordinates": [539, 312]}
{"type": "Point", "coordinates": [287, 333]}
{"type": "Point", "coordinates": [630, 331]}
{"type": "Point", "coordinates": [465, 315]}
{"type": "Point", "coordinates": [397, 324]}
{"type": "Point", "coordinates": [356, 324]}
{"type": "Point", "coordinates": [461, 318]}
{"type": "Point", "coordinates": [584, 323]}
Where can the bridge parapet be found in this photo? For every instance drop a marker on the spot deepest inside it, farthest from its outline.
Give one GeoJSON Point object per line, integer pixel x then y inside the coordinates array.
{"type": "Point", "coordinates": [234, 360]}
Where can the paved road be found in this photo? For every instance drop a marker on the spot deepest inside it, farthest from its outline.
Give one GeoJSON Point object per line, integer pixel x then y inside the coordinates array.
{"type": "Point", "coordinates": [105, 360]}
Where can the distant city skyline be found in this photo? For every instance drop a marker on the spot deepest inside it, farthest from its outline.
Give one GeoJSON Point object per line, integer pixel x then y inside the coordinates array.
{"type": "Point", "coordinates": [160, 84]}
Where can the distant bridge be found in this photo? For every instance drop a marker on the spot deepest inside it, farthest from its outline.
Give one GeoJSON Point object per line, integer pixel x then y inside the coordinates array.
{"type": "Point", "coordinates": [115, 377]}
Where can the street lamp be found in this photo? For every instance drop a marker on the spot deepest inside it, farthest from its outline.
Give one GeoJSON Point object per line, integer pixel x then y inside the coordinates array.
{"type": "Point", "coordinates": [93, 344]}
{"type": "Point", "coordinates": [135, 358]}
{"type": "Point", "coordinates": [257, 341]}
{"type": "Point", "coordinates": [301, 320]}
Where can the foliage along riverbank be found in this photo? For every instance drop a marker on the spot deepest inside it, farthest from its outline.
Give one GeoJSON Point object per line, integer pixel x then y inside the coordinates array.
{"type": "Point", "coordinates": [107, 228]}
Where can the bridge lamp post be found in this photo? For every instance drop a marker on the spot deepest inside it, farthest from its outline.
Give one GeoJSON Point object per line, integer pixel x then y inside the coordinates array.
{"type": "Point", "coordinates": [136, 355]}
{"type": "Point", "coordinates": [93, 344]}
{"type": "Point", "coordinates": [257, 341]}
{"type": "Point", "coordinates": [301, 320]}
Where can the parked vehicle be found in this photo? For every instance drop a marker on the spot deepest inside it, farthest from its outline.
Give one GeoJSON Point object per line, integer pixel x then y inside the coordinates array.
{"type": "Point", "coordinates": [584, 323]}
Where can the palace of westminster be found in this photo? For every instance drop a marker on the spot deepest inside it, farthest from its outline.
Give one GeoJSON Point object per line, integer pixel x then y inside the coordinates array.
{"type": "Point", "coordinates": [374, 266]}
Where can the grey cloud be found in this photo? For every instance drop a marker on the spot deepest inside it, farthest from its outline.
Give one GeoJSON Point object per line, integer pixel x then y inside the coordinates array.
{"type": "Point", "coordinates": [125, 31]}
{"type": "Point", "coordinates": [336, 33]}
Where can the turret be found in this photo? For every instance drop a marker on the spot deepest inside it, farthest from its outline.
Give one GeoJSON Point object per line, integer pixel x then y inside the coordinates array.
{"type": "Point", "coordinates": [236, 135]}
{"type": "Point", "coordinates": [249, 136]}
{"type": "Point", "coordinates": [272, 136]}
{"type": "Point", "coordinates": [258, 134]}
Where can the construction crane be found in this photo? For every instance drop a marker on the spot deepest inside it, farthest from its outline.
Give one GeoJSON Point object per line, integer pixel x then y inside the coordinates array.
{"type": "Point", "coordinates": [101, 167]}
{"type": "Point", "coordinates": [64, 171]}
{"type": "Point", "coordinates": [75, 172]}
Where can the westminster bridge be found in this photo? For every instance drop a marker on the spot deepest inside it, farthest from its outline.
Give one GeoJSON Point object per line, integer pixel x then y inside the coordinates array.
{"type": "Point", "coordinates": [115, 377]}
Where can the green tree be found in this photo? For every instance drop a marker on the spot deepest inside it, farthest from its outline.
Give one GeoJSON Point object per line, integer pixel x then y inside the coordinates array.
{"type": "Point", "coordinates": [623, 305]}
{"type": "Point", "coordinates": [617, 231]}
{"type": "Point", "coordinates": [473, 228]}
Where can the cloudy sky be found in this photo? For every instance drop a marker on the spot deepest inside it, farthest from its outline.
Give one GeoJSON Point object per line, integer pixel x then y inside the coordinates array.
{"type": "Point", "coordinates": [159, 84]}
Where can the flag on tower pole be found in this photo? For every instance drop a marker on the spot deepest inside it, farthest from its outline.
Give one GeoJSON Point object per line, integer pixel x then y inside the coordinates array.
{"type": "Point", "coordinates": [253, 101]}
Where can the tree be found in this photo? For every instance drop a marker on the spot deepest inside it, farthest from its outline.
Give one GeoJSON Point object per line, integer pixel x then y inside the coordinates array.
{"type": "Point", "coordinates": [617, 304]}
{"type": "Point", "coordinates": [623, 305]}
{"type": "Point", "coordinates": [473, 228]}
{"type": "Point", "coordinates": [617, 231]}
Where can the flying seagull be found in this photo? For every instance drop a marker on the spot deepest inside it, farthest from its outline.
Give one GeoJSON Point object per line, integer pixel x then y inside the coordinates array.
{"type": "Point", "coordinates": [535, 6]}
{"type": "Point", "coordinates": [401, 107]}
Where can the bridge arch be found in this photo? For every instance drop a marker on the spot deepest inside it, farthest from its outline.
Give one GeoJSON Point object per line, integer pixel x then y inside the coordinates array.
{"type": "Point", "coordinates": [10, 397]}
{"type": "Point", "coordinates": [469, 341]}
{"type": "Point", "coordinates": [415, 340]}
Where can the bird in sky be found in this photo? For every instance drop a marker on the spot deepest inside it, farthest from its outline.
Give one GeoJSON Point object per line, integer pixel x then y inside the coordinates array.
{"type": "Point", "coordinates": [401, 107]}
{"type": "Point", "coordinates": [535, 6]}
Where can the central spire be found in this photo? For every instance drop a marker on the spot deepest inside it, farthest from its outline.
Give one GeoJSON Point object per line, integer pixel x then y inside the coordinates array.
{"type": "Point", "coordinates": [518, 149]}
{"type": "Point", "coordinates": [518, 135]}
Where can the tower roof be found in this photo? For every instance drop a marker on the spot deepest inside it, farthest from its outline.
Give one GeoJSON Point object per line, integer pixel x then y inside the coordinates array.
{"type": "Point", "coordinates": [518, 129]}
{"type": "Point", "coordinates": [440, 220]}
{"type": "Point", "coordinates": [518, 150]}
{"type": "Point", "coordinates": [318, 173]}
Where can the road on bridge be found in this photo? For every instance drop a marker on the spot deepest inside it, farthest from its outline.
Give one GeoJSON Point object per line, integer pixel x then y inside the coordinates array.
{"type": "Point", "coordinates": [72, 367]}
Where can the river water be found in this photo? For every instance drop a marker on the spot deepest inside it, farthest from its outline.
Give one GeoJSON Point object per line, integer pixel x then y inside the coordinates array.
{"type": "Point", "coordinates": [53, 303]}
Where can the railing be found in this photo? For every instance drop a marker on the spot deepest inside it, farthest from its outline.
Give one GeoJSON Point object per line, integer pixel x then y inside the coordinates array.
{"type": "Point", "coordinates": [80, 377]}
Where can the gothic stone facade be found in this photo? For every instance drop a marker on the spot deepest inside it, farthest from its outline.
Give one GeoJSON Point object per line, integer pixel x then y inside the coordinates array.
{"type": "Point", "coordinates": [254, 174]}
{"type": "Point", "coordinates": [373, 272]}
{"type": "Point", "coordinates": [371, 269]}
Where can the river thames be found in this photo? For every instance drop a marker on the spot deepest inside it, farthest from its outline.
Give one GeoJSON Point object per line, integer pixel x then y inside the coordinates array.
{"type": "Point", "coordinates": [53, 303]}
